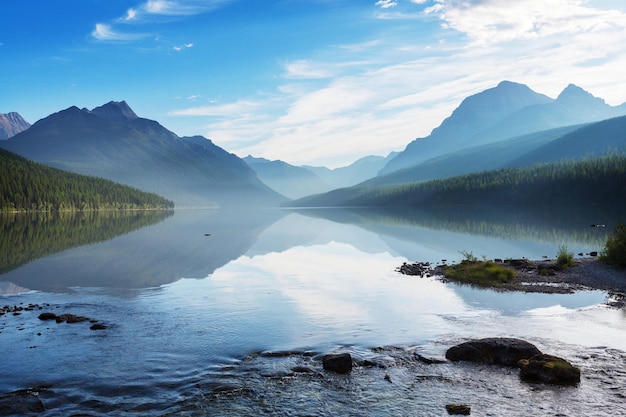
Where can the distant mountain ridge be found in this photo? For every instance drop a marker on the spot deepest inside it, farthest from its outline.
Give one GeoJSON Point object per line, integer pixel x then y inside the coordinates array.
{"type": "Point", "coordinates": [287, 179]}
{"type": "Point", "coordinates": [500, 113]}
{"type": "Point", "coordinates": [299, 181]}
{"type": "Point", "coordinates": [358, 171]}
{"type": "Point", "coordinates": [595, 139]}
{"type": "Point", "coordinates": [475, 159]}
{"type": "Point", "coordinates": [11, 124]}
{"type": "Point", "coordinates": [112, 142]}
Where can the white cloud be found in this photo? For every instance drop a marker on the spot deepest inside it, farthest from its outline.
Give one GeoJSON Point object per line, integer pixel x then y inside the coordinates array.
{"type": "Point", "coordinates": [304, 69]}
{"type": "Point", "coordinates": [235, 109]}
{"type": "Point", "coordinates": [175, 8]}
{"type": "Point", "coordinates": [151, 10]}
{"type": "Point", "coordinates": [385, 4]}
{"type": "Point", "coordinates": [104, 32]}
{"type": "Point", "coordinates": [489, 21]}
{"type": "Point", "coordinates": [378, 95]}
{"type": "Point", "coordinates": [131, 14]}
{"type": "Point", "coordinates": [181, 47]}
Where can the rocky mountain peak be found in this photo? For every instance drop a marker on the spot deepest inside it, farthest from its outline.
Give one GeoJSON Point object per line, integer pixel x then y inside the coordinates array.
{"type": "Point", "coordinates": [11, 124]}
{"type": "Point", "coordinates": [118, 111]}
{"type": "Point", "coordinates": [481, 110]}
{"type": "Point", "coordinates": [573, 94]}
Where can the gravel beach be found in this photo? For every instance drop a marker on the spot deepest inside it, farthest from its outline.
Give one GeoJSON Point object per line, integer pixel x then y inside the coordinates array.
{"type": "Point", "coordinates": [587, 274]}
{"type": "Point", "coordinates": [590, 273]}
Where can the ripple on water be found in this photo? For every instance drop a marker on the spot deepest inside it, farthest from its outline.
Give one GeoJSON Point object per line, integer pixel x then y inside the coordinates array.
{"type": "Point", "coordinates": [398, 383]}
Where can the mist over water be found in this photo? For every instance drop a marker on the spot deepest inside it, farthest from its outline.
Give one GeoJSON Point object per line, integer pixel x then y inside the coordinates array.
{"type": "Point", "coordinates": [193, 299]}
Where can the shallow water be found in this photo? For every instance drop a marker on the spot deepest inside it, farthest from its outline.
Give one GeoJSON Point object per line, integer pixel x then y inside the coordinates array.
{"type": "Point", "coordinates": [190, 315]}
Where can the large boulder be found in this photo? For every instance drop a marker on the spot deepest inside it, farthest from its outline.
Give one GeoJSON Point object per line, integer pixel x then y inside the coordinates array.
{"type": "Point", "coordinates": [340, 363]}
{"type": "Point", "coordinates": [496, 350]}
{"type": "Point", "coordinates": [549, 369]}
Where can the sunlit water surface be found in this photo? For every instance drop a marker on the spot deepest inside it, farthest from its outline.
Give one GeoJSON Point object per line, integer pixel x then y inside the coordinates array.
{"type": "Point", "coordinates": [224, 342]}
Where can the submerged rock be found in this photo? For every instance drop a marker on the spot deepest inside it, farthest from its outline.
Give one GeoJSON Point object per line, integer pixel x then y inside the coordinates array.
{"type": "Point", "coordinates": [71, 318]}
{"type": "Point", "coordinates": [496, 350]}
{"type": "Point", "coordinates": [549, 369]}
{"type": "Point", "coordinates": [47, 316]}
{"type": "Point", "coordinates": [340, 363]}
{"type": "Point", "coordinates": [302, 370]}
{"type": "Point", "coordinates": [22, 402]}
{"type": "Point", "coordinates": [458, 409]}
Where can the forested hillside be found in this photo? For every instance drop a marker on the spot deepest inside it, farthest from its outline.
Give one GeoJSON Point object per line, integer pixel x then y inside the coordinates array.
{"type": "Point", "coordinates": [111, 142]}
{"type": "Point", "coordinates": [29, 186]}
{"type": "Point", "coordinates": [599, 180]}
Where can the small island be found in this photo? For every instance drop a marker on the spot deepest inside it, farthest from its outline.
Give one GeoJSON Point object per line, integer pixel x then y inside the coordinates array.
{"type": "Point", "coordinates": [565, 274]}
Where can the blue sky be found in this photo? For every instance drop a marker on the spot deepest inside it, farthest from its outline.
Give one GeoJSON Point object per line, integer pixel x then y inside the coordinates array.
{"type": "Point", "coordinates": [317, 82]}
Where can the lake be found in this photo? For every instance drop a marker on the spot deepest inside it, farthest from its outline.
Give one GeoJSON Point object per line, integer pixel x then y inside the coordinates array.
{"type": "Point", "coordinates": [209, 311]}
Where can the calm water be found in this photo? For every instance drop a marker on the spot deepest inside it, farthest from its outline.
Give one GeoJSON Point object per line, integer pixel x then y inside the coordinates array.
{"type": "Point", "coordinates": [195, 300]}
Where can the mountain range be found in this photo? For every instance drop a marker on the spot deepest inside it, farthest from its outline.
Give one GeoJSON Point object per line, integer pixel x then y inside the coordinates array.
{"type": "Point", "coordinates": [11, 124]}
{"type": "Point", "coordinates": [454, 149]}
{"type": "Point", "coordinates": [500, 113]}
{"type": "Point", "coordinates": [299, 181]}
{"type": "Point", "coordinates": [112, 142]}
{"type": "Point", "coordinates": [509, 125]}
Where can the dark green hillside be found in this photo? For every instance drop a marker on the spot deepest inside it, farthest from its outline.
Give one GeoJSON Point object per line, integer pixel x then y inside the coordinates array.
{"type": "Point", "coordinates": [599, 180]}
{"type": "Point", "coordinates": [29, 186]}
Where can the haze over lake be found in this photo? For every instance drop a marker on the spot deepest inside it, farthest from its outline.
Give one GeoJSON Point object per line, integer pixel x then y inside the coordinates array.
{"type": "Point", "coordinates": [191, 298]}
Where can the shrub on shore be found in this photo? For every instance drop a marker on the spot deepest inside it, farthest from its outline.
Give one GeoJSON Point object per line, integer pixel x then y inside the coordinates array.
{"type": "Point", "coordinates": [614, 252]}
{"type": "Point", "coordinates": [564, 258]}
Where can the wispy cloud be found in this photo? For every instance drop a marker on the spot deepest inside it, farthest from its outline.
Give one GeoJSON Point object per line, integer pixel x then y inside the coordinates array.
{"type": "Point", "coordinates": [181, 47]}
{"type": "Point", "coordinates": [489, 21]}
{"type": "Point", "coordinates": [378, 95]}
{"type": "Point", "coordinates": [104, 32]}
{"type": "Point", "coordinates": [152, 11]}
{"type": "Point", "coordinates": [155, 8]}
{"type": "Point", "coordinates": [221, 110]}
{"type": "Point", "coordinates": [385, 4]}
{"type": "Point", "coordinates": [305, 69]}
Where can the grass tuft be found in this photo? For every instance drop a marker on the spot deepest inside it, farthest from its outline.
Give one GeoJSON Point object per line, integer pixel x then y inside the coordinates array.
{"type": "Point", "coordinates": [480, 273]}
{"type": "Point", "coordinates": [564, 258]}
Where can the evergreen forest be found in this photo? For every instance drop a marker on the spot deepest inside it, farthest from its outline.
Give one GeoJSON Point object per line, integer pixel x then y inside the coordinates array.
{"type": "Point", "coordinates": [599, 180]}
{"type": "Point", "coordinates": [28, 186]}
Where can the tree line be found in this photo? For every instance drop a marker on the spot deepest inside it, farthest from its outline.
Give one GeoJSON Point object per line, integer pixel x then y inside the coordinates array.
{"type": "Point", "coordinates": [30, 186]}
{"type": "Point", "coordinates": [599, 180]}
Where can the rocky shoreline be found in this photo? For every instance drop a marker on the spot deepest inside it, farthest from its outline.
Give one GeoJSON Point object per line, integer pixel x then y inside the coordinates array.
{"type": "Point", "coordinates": [543, 276]}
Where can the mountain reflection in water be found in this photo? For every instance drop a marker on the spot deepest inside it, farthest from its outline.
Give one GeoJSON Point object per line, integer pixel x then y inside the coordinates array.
{"type": "Point", "coordinates": [193, 299]}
